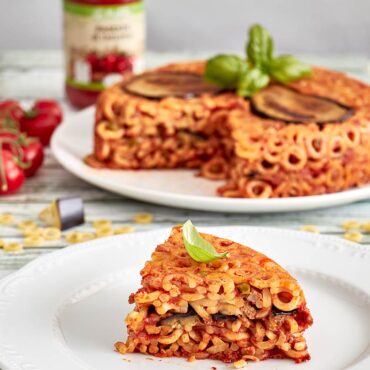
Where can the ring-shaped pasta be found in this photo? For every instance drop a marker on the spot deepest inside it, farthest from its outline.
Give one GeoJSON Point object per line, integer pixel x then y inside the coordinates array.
{"type": "Point", "coordinates": [107, 106]}
{"type": "Point", "coordinates": [264, 281]}
{"type": "Point", "coordinates": [336, 147]}
{"type": "Point", "coordinates": [317, 164]}
{"type": "Point", "coordinates": [272, 156]}
{"type": "Point", "coordinates": [295, 134]}
{"type": "Point", "coordinates": [275, 144]}
{"type": "Point", "coordinates": [351, 136]}
{"type": "Point", "coordinates": [296, 354]}
{"type": "Point", "coordinates": [316, 145]}
{"type": "Point", "coordinates": [294, 158]}
{"type": "Point", "coordinates": [248, 151]}
{"type": "Point", "coordinates": [103, 150]}
{"type": "Point", "coordinates": [266, 298]}
{"type": "Point", "coordinates": [280, 190]}
{"type": "Point", "coordinates": [292, 189]}
{"type": "Point", "coordinates": [285, 306]}
{"type": "Point", "coordinates": [258, 189]}
{"type": "Point", "coordinates": [172, 338]}
{"type": "Point", "coordinates": [266, 345]}
{"type": "Point", "coordinates": [335, 176]}
{"type": "Point", "coordinates": [267, 167]}
{"type": "Point", "coordinates": [122, 158]}
{"type": "Point", "coordinates": [178, 277]}
{"type": "Point", "coordinates": [108, 132]}
{"type": "Point", "coordinates": [215, 169]}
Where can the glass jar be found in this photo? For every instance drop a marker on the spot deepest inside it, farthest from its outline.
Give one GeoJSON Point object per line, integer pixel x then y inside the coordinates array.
{"type": "Point", "coordinates": [103, 39]}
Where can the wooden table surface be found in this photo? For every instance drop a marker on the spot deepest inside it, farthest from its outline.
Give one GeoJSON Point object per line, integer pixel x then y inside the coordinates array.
{"type": "Point", "coordinates": [28, 75]}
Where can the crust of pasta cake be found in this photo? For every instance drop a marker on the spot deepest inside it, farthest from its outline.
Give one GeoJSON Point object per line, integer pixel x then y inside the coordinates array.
{"type": "Point", "coordinates": [243, 265]}
{"type": "Point", "coordinates": [220, 135]}
{"type": "Point", "coordinates": [174, 284]}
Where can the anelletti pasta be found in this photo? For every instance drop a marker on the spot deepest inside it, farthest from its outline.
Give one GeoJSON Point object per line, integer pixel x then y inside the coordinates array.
{"type": "Point", "coordinates": [243, 307]}
{"type": "Point", "coordinates": [222, 136]}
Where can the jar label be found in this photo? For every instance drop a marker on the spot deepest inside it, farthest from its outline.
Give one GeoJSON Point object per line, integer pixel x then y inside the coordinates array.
{"type": "Point", "coordinates": [102, 42]}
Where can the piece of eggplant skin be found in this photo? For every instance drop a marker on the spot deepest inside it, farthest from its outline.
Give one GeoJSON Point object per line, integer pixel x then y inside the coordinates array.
{"type": "Point", "coordinates": [296, 118]}
{"type": "Point", "coordinates": [178, 317]}
{"type": "Point", "coordinates": [161, 84]}
{"type": "Point", "coordinates": [71, 212]}
{"type": "Point", "coordinates": [222, 317]}
{"type": "Point", "coordinates": [277, 312]}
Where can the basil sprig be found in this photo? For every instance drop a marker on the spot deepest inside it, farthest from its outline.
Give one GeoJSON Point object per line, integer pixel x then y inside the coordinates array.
{"type": "Point", "coordinates": [225, 70]}
{"type": "Point", "coordinates": [199, 249]}
{"type": "Point", "coordinates": [260, 47]}
{"type": "Point", "coordinates": [253, 74]}
{"type": "Point", "coordinates": [286, 68]}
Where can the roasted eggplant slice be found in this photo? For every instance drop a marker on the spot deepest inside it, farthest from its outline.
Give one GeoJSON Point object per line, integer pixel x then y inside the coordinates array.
{"type": "Point", "coordinates": [183, 318]}
{"type": "Point", "coordinates": [64, 213]}
{"type": "Point", "coordinates": [222, 317]}
{"type": "Point", "coordinates": [158, 85]}
{"type": "Point", "coordinates": [277, 312]}
{"type": "Point", "coordinates": [285, 104]}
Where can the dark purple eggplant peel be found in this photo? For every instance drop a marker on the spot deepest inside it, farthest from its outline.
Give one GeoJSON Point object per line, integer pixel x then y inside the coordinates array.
{"type": "Point", "coordinates": [283, 103]}
{"type": "Point", "coordinates": [160, 84]}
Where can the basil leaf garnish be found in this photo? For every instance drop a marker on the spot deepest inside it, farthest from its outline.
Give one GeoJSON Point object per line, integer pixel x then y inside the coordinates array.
{"type": "Point", "coordinates": [259, 47]}
{"type": "Point", "coordinates": [286, 68]}
{"type": "Point", "coordinates": [251, 75]}
{"type": "Point", "coordinates": [199, 249]}
{"type": "Point", "coordinates": [252, 82]}
{"type": "Point", "coordinates": [225, 70]}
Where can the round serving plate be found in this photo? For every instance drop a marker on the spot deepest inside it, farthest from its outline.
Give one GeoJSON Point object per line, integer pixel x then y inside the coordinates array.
{"type": "Point", "coordinates": [73, 140]}
{"type": "Point", "coordinates": [65, 310]}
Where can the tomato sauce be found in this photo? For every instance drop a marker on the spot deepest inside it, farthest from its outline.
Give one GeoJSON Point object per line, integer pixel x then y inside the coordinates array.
{"type": "Point", "coordinates": [103, 39]}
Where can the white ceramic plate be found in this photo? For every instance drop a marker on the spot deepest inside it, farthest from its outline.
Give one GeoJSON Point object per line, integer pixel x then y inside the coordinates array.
{"type": "Point", "coordinates": [176, 188]}
{"type": "Point", "coordinates": [65, 310]}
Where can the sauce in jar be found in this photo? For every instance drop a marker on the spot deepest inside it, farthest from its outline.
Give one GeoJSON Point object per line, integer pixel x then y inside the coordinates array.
{"type": "Point", "coordinates": [103, 39]}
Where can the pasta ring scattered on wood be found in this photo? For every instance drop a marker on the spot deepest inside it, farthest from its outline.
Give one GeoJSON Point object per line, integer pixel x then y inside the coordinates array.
{"type": "Point", "coordinates": [78, 237]}
{"type": "Point", "coordinates": [98, 224]}
{"type": "Point", "coordinates": [73, 237]}
{"type": "Point", "coordinates": [365, 226]}
{"type": "Point", "coordinates": [38, 231]}
{"type": "Point", "coordinates": [310, 229]}
{"type": "Point", "coordinates": [353, 236]}
{"type": "Point", "coordinates": [27, 224]}
{"type": "Point", "coordinates": [13, 247]}
{"type": "Point", "coordinates": [351, 225]}
{"type": "Point", "coordinates": [124, 230]}
{"type": "Point", "coordinates": [51, 233]}
{"type": "Point", "coordinates": [85, 236]}
{"type": "Point", "coordinates": [33, 241]}
{"type": "Point", "coordinates": [104, 231]}
{"type": "Point", "coordinates": [143, 218]}
{"type": "Point", "coordinates": [6, 219]}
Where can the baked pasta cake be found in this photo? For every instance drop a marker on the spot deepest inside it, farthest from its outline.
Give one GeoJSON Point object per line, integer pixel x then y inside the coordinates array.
{"type": "Point", "coordinates": [234, 309]}
{"type": "Point", "coordinates": [308, 137]}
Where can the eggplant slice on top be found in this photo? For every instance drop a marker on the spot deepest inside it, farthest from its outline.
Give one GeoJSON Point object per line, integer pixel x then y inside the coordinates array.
{"type": "Point", "coordinates": [285, 104]}
{"type": "Point", "coordinates": [158, 85]}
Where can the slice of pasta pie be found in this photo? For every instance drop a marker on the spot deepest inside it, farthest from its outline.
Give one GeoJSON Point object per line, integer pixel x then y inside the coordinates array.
{"type": "Point", "coordinates": [238, 306]}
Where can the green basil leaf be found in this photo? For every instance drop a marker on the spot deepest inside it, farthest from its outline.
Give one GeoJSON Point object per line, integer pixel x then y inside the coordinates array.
{"type": "Point", "coordinates": [286, 68]}
{"type": "Point", "coordinates": [251, 82]}
{"type": "Point", "coordinates": [198, 248]}
{"type": "Point", "coordinates": [225, 70]}
{"type": "Point", "coordinates": [259, 47]}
